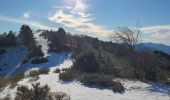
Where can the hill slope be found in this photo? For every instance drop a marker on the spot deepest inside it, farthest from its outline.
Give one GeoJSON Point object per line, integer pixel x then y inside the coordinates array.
{"type": "Point", "coordinates": [135, 90]}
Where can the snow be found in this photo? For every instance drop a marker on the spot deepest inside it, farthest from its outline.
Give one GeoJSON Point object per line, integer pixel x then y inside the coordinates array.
{"type": "Point", "coordinates": [11, 59]}
{"type": "Point", "coordinates": [42, 42]}
{"type": "Point", "coordinates": [54, 59]}
{"type": "Point", "coordinates": [135, 90]}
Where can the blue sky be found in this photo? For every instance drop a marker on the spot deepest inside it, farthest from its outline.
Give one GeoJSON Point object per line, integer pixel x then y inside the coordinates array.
{"type": "Point", "coordinates": [96, 18]}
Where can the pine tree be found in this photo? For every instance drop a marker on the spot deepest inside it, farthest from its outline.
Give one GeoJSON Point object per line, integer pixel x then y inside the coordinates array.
{"type": "Point", "coordinates": [26, 35]}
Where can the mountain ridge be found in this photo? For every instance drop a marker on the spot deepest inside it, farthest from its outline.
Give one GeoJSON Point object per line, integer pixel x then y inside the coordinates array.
{"type": "Point", "coordinates": [154, 47]}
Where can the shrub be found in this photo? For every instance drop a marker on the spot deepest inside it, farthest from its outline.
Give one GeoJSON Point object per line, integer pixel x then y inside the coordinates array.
{"type": "Point", "coordinates": [162, 54]}
{"type": "Point", "coordinates": [62, 96]}
{"type": "Point", "coordinates": [57, 71]}
{"type": "Point", "coordinates": [39, 60]}
{"type": "Point", "coordinates": [163, 77]}
{"type": "Point", "coordinates": [44, 71]}
{"type": "Point", "coordinates": [96, 79]}
{"type": "Point", "coordinates": [101, 80]}
{"type": "Point", "coordinates": [3, 82]}
{"type": "Point", "coordinates": [64, 69]}
{"type": "Point", "coordinates": [117, 87]}
{"type": "Point", "coordinates": [68, 75]}
{"type": "Point", "coordinates": [36, 93]}
{"type": "Point", "coordinates": [87, 62]}
{"type": "Point", "coordinates": [34, 73]}
{"type": "Point", "coordinates": [10, 80]}
{"type": "Point", "coordinates": [39, 93]}
{"type": "Point", "coordinates": [16, 78]}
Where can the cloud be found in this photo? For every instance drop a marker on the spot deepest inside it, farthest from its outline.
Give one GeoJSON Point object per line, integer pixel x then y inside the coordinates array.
{"type": "Point", "coordinates": [80, 5]}
{"type": "Point", "coordinates": [77, 18]}
{"type": "Point", "coordinates": [61, 7]}
{"type": "Point", "coordinates": [159, 33]}
{"type": "Point", "coordinates": [34, 24]}
{"type": "Point", "coordinates": [76, 5]}
{"type": "Point", "coordinates": [74, 14]}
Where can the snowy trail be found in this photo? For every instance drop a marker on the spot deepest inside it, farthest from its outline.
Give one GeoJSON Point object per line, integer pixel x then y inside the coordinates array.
{"type": "Point", "coordinates": [42, 42]}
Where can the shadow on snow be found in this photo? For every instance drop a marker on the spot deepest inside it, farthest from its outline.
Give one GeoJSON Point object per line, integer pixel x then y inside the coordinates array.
{"type": "Point", "coordinates": [54, 59]}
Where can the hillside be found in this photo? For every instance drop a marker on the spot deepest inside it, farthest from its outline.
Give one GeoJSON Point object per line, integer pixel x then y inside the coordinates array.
{"type": "Point", "coordinates": [79, 67]}
{"type": "Point", "coordinates": [77, 91]}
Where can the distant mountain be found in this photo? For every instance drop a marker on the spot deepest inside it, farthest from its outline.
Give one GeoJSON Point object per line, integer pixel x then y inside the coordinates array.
{"type": "Point", "coordinates": [154, 47]}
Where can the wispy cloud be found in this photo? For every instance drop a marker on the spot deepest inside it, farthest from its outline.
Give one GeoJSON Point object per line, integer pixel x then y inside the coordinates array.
{"type": "Point", "coordinates": [159, 33]}
{"type": "Point", "coordinates": [34, 24]}
{"type": "Point", "coordinates": [74, 14]}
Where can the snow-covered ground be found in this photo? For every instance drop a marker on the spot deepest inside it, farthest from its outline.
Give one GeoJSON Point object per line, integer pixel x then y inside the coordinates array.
{"type": "Point", "coordinates": [54, 59]}
{"type": "Point", "coordinates": [135, 90]}
{"type": "Point", "coordinates": [11, 59]}
{"type": "Point", "coordinates": [42, 42]}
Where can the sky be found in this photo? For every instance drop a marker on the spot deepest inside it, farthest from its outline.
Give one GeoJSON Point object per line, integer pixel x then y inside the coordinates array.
{"type": "Point", "coordinates": [97, 18]}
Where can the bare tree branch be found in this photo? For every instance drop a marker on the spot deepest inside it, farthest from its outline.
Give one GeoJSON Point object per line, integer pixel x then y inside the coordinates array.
{"type": "Point", "coordinates": [127, 36]}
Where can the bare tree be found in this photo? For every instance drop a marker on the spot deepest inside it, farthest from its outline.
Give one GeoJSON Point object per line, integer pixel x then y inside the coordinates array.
{"type": "Point", "coordinates": [127, 36]}
{"type": "Point", "coordinates": [130, 38]}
